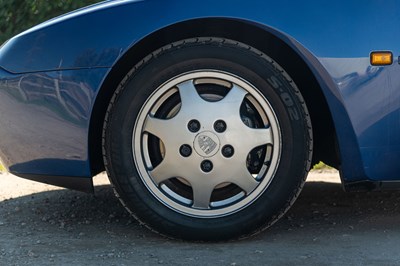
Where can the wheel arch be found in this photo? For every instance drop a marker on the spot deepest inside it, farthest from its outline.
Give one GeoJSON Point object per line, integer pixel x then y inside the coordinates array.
{"type": "Point", "coordinates": [263, 38]}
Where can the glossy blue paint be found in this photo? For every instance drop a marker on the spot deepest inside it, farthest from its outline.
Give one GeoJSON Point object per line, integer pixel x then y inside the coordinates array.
{"type": "Point", "coordinates": [44, 121]}
{"type": "Point", "coordinates": [334, 38]}
{"type": "Point", "coordinates": [104, 32]}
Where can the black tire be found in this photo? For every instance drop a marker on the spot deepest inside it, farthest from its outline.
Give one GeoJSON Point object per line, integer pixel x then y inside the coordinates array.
{"type": "Point", "coordinates": [146, 120]}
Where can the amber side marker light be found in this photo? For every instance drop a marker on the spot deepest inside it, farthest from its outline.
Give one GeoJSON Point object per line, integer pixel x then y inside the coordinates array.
{"type": "Point", "coordinates": [2, 168]}
{"type": "Point", "coordinates": [381, 58]}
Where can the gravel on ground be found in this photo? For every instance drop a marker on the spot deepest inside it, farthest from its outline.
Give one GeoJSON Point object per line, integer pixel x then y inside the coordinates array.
{"type": "Point", "coordinates": [46, 225]}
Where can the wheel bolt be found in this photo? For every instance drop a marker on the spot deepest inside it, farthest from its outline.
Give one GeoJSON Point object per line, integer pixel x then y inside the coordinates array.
{"type": "Point", "coordinates": [228, 151]}
{"type": "Point", "coordinates": [194, 125]}
{"type": "Point", "coordinates": [185, 150]}
{"type": "Point", "coordinates": [206, 166]}
{"type": "Point", "coordinates": [220, 126]}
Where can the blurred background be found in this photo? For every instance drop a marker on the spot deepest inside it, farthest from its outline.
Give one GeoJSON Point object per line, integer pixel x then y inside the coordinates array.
{"type": "Point", "coordinates": [19, 15]}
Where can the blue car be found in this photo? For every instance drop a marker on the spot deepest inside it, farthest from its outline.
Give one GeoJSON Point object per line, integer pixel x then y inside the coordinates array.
{"type": "Point", "coordinates": [207, 116]}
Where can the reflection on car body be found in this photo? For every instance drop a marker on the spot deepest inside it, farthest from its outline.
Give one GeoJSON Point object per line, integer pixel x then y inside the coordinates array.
{"type": "Point", "coordinates": [207, 117]}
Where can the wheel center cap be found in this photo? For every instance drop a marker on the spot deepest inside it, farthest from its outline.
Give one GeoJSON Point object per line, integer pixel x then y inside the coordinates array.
{"type": "Point", "coordinates": [206, 144]}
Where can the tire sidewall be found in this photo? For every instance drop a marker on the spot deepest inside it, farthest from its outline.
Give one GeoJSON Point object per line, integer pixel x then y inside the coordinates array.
{"type": "Point", "coordinates": [255, 68]}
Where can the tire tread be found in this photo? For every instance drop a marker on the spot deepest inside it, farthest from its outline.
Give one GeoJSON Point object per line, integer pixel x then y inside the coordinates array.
{"type": "Point", "coordinates": [118, 184]}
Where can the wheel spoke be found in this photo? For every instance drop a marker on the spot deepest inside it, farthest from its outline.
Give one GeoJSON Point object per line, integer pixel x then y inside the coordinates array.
{"type": "Point", "coordinates": [164, 171]}
{"type": "Point", "coordinates": [189, 95]}
{"type": "Point", "coordinates": [244, 180]}
{"type": "Point", "coordinates": [202, 195]}
{"type": "Point", "coordinates": [258, 136]}
{"type": "Point", "coordinates": [233, 100]}
{"type": "Point", "coordinates": [157, 127]}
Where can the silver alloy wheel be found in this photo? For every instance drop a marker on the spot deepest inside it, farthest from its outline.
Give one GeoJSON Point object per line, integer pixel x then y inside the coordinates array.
{"type": "Point", "coordinates": [206, 143]}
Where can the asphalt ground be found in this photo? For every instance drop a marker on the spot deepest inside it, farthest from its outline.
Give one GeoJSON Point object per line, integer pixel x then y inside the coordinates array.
{"type": "Point", "coordinates": [46, 225]}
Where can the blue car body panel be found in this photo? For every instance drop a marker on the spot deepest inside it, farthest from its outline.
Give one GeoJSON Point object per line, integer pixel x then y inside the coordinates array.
{"type": "Point", "coordinates": [45, 119]}
{"type": "Point", "coordinates": [50, 76]}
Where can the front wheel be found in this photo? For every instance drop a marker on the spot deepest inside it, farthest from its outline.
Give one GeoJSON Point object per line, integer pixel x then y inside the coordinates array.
{"type": "Point", "coordinates": [207, 139]}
